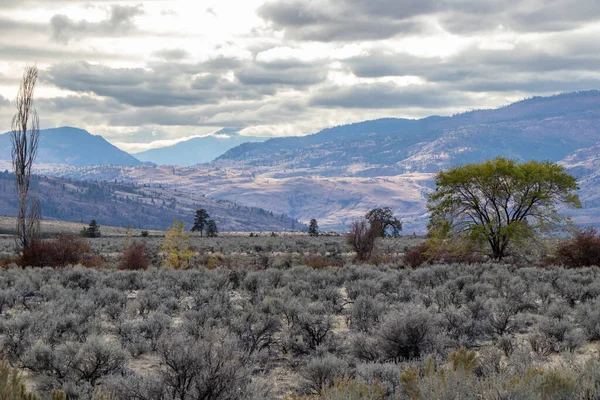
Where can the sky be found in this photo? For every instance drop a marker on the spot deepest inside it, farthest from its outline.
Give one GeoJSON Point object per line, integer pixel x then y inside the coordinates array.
{"type": "Point", "coordinates": [146, 74]}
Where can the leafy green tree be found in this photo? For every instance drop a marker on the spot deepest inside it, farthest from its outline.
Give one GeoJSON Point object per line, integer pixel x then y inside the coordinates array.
{"type": "Point", "coordinates": [384, 222]}
{"type": "Point", "coordinates": [313, 228]}
{"type": "Point", "coordinates": [200, 221]}
{"type": "Point", "coordinates": [211, 228]}
{"type": "Point", "coordinates": [92, 231]}
{"type": "Point", "coordinates": [500, 203]}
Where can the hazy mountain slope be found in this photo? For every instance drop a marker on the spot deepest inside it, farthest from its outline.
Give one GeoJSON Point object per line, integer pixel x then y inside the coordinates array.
{"type": "Point", "coordinates": [73, 146]}
{"type": "Point", "coordinates": [197, 150]}
{"type": "Point", "coordinates": [542, 128]}
{"type": "Point", "coordinates": [136, 206]}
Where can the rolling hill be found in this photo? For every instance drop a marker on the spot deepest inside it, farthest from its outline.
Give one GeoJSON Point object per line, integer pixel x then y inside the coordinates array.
{"type": "Point", "coordinates": [138, 206]}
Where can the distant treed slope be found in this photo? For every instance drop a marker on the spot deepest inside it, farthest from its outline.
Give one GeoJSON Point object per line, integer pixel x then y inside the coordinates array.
{"type": "Point", "coordinates": [74, 147]}
{"type": "Point", "coordinates": [541, 128]}
{"type": "Point", "coordinates": [136, 206]}
{"type": "Point", "coordinates": [197, 150]}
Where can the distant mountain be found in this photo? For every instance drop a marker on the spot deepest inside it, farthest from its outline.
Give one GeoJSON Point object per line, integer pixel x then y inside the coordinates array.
{"type": "Point", "coordinates": [74, 147]}
{"type": "Point", "coordinates": [340, 173]}
{"type": "Point", "coordinates": [539, 128]}
{"type": "Point", "coordinates": [138, 206]}
{"type": "Point", "coordinates": [197, 150]}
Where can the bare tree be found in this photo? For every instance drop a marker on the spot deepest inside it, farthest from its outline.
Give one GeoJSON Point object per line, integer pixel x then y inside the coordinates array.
{"type": "Point", "coordinates": [25, 138]}
{"type": "Point", "coordinates": [362, 238]}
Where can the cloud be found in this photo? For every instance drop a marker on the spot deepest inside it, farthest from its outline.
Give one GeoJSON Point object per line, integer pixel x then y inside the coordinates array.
{"type": "Point", "coordinates": [289, 66]}
{"type": "Point", "coordinates": [4, 102]}
{"type": "Point", "coordinates": [349, 20]}
{"type": "Point", "coordinates": [119, 21]}
{"type": "Point", "coordinates": [546, 66]}
{"type": "Point", "coordinates": [136, 86]}
{"type": "Point", "coordinates": [293, 76]}
{"type": "Point", "coordinates": [135, 147]}
{"type": "Point", "coordinates": [387, 95]}
{"type": "Point", "coordinates": [171, 54]}
{"type": "Point", "coordinates": [332, 21]}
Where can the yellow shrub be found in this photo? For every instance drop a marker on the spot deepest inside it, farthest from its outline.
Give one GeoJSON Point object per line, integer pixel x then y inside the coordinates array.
{"type": "Point", "coordinates": [176, 247]}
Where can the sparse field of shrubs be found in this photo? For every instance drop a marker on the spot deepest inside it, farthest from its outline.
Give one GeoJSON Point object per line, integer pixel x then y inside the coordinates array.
{"type": "Point", "coordinates": [297, 317]}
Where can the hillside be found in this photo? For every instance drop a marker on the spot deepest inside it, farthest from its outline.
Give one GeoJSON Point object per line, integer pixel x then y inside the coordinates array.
{"type": "Point", "coordinates": [73, 147]}
{"type": "Point", "coordinates": [138, 206]}
{"type": "Point", "coordinates": [541, 128]}
{"type": "Point", "coordinates": [197, 150]}
{"type": "Point", "coordinates": [338, 174]}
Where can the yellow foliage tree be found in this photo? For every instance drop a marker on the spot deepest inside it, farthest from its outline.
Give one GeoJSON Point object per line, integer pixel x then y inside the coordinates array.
{"type": "Point", "coordinates": [176, 246]}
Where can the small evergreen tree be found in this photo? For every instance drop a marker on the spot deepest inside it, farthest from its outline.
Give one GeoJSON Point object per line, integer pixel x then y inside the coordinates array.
{"type": "Point", "coordinates": [200, 221]}
{"type": "Point", "coordinates": [92, 231]}
{"type": "Point", "coordinates": [313, 228]}
{"type": "Point", "coordinates": [211, 228]}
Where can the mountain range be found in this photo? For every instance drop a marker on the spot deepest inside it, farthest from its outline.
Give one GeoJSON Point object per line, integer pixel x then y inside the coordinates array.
{"type": "Point", "coordinates": [197, 150]}
{"type": "Point", "coordinates": [338, 174]}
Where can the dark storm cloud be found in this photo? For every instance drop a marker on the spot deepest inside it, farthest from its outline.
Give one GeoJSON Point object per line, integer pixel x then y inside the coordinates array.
{"type": "Point", "coordinates": [119, 22]}
{"type": "Point", "coordinates": [348, 20]}
{"type": "Point", "coordinates": [387, 95]}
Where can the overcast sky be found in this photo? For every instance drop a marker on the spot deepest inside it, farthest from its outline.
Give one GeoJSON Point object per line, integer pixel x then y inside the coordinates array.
{"type": "Point", "coordinates": [148, 73]}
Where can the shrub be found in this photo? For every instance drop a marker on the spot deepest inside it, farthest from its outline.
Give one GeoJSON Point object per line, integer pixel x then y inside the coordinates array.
{"type": "Point", "coordinates": [346, 389]}
{"type": "Point", "coordinates": [417, 256]}
{"type": "Point", "coordinates": [144, 233]}
{"type": "Point", "coordinates": [313, 325]}
{"type": "Point", "coordinates": [582, 250]}
{"type": "Point", "coordinates": [209, 368]}
{"type": "Point", "coordinates": [135, 257]}
{"type": "Point", "coordinates": [365, 313]}
{"type": "Point", "coordinates": [11, 387]}
{"type": "Point", "coordinates": [316, 261]}
{"type": "Point", "coordinates": [588, 315]}
{"type": "Point", "coordinates": [362, 239]}
{"type": "Point", "coordinates": [408, 334]}
{"type": "Point", "coordinates": [62, 250]}
{"type": "Point", "coordinates": [216, 260]}
{"type": "Point", "coordinates": [321, 372]}
{"type": "Point", "coordinates": [463, 359]}
{"type": "Point", "coordinates": [384, 375]}
{"type": "Point", "coordinates": [364, 347]}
